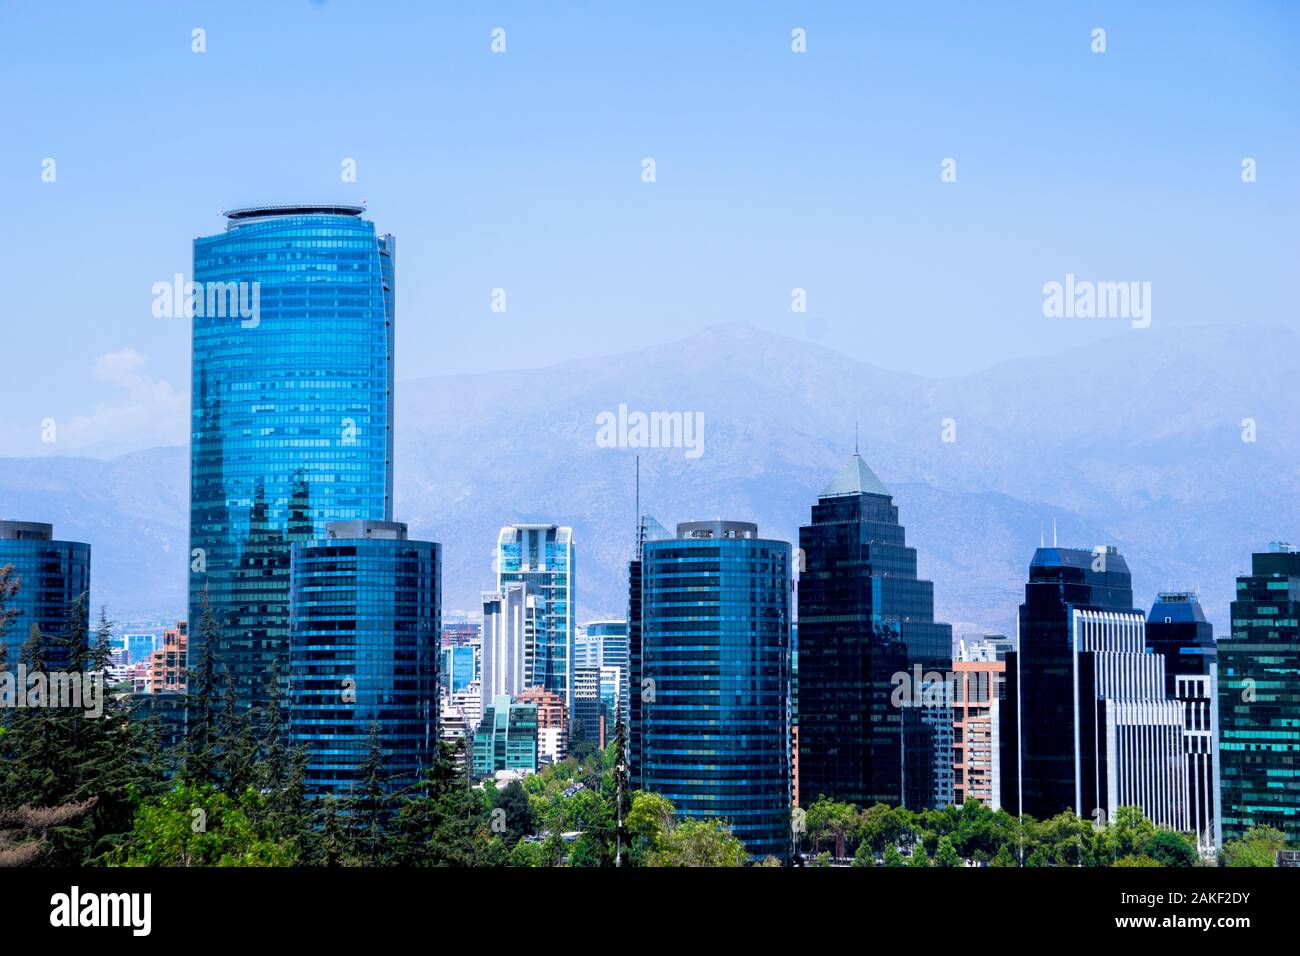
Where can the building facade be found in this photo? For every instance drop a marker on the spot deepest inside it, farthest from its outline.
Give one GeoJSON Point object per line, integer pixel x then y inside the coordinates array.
{"type": "Point", "coordinates": [1088, 725]}
{"type": "Point", "coordinates": [864, 618]}
{"type": "Point", "coordinates": [51, 576]}
{"type": "Point", "coordinates": [510, 620]}
{"type": "Point", "coordinates": [714, 668]}
{"type": "Point", "coordinates": [1178, 631]}
{"type": "Point", "coordinates": [292, 414]}
{"type": "Point", "coordinates": [978, 685]}
{"type": "Point", "coordinates": [1259, 699]}
{"type": "Point", "coordinates": [552, 723]}
{"type": "Point", "coordinates": [506, 739]}
{"type": "Point", "coordinates": [168, 671]}
{"type": "Point", "coordinates": [364, 605]}
{"type": "Point", "coordinates": [542, 557]}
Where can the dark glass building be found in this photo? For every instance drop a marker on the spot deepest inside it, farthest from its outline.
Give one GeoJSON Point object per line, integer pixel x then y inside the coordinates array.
{"type": "Point", "coordinates": [714, 634]}
{"type": "Point", "coordinates": [51, 575]}
{"type": "Point", "coordinates": [1088, 723]}
{"type": "Point", "coordinates": [1178, 631]}
{"type": "Point", "coordinates": [292, 413]}
{"type": "Point", "coordinates": [364, 619]}
{"type": "Point", "coordinates": [648, 529]}
{"type": "Point", "coordinates": [1259, 699]}
{"type": "Point", "coordinates": [864, 619]}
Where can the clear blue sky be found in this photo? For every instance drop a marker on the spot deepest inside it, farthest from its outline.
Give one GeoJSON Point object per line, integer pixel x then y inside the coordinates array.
{"type": "Point", "coordinates": [522, 171]}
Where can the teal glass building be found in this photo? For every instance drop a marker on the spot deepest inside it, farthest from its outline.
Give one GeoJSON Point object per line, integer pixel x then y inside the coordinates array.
{"type": "Point", "coordinates": [714, 673]}
{"type": "Point", "coordinates": [292, 414]}
{"type": "Point", "coordinates": [506, 738]}
{"type": "Point", "coordinates": [1259, 699]}
{"type": "Point", "coordinates": [364, 615]}
{"type": "Point", "coordinates": [51, 575]}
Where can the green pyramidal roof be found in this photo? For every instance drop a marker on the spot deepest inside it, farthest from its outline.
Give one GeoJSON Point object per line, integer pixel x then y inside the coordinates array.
{"type": "Point", "coordinates": [855, 478]}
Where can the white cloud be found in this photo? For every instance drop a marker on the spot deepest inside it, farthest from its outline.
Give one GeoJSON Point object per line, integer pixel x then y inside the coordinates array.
{"type": "Point", "coordinates": [147, 412]}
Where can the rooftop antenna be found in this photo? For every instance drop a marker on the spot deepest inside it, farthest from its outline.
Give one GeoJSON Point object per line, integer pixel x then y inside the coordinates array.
{"type": "Point", "coordinates": [855, 440]}
{"type": "Point", "coordinates": [1053, 532]}
{"type": "Point", "coordinates": [1042, 536]}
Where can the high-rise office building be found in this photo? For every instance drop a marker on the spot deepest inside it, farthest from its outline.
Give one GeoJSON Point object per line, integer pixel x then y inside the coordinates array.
{"type": "Point", "coordinates": [459, 666]}
{"type": "Point", "coordinates": [51, 575]}
{"type": "Point", "coordinates": [714, 666]}
{"type": "Point", "coordinates": [977, 692]}
{"type": "Point", "coordinates": [542, 557]}
{"type": "Point", "coordinates": [647, 529]}
{"type": "Point", "coordinates": [511, 618]}
{"type": "Point", "coordinates": [168, 669]}
{"type": "Point", "coordinates": [605, 644]}
{"type": "Point", "coordinates": [1087, 724]}
{"type": "Point", "coordinates": [587, 723]}
{"type": "Point", "coordinates": [1178, 631]}
{"type": "Point", "coordinates": [506, 739]}
{"type": "Point", "coordinates": [1259, 699]}
{"type": "Point", "coordinates": [292, 413]}
{"type": "Point", "coordinates": [552, 723]}
{"type": "Point", "coordinates": [364, 604]}
{"type": "Point", "coordinates": [865, 617]}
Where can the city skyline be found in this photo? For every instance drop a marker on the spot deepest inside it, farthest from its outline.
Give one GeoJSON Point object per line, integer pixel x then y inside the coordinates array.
{"type": "Point", "coordinates": [953, 355]}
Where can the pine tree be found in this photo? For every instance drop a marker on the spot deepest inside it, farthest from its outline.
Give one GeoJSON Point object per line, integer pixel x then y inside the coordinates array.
{"type": "Point", "coordinates": [200, 762]}
{"type": "Point", "coordinates": [335, 849]}
{"type": "Point", "coordinates": [368, 807]}
{"type": "Point", "coordinates": [237, 757]}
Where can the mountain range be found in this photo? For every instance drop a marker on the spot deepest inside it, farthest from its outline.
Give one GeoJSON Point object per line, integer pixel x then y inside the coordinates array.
{"type": "Point", "coordinates": [1137, 440]}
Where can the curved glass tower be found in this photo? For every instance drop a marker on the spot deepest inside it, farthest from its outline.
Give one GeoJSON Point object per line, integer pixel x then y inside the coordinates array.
{"type": "Point", "coordinates": [715, 670]}
{"type": "Point", "coordinates": [364, 617]}
{"type": "Point", "coordinates": [292, 413]}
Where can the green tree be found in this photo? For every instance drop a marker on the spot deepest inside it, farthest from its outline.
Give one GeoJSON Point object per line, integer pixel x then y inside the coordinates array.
{"type": "Point", "coordinates": [893, 857]}
{"type": "Point", "coordinates": [369, 804]}
{"type": "Point", "coordinates": [444, 822]}
{"type": "Point", "coordinates": [1258, 846]}
{"type": "Point", "coordinates": [920, 857]}
{"type": "Point", "coordinates": [196, 825]}
{"type": "Point", "coordinates": [516, 810]}
{"type": "Point", "coordinates": [201, 736]}
{"type": "Point", "coordinates": [1170, 849]}
{"type": "Point", "coordinates": [699, 843]}
{"type": "Point", "coordinates": [947, 854]}
{"type": "Point", "coordinates": [1003, 857]}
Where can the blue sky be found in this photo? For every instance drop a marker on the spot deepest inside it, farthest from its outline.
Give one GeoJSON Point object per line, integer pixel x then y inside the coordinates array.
{"type": "Point", "coordinates": [775, 170]}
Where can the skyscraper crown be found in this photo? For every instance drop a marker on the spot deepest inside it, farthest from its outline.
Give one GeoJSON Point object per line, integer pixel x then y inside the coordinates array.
{"type": "Point", "coordinates": [855, 478]}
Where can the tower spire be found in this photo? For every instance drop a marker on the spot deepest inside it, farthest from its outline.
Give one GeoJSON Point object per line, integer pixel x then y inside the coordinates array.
{"type": "Point", "coordinates": [855, 440]}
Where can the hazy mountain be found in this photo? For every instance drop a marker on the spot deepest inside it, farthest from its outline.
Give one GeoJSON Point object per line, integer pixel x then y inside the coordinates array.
{"type": "Point", "coordinates": [1134, 441]}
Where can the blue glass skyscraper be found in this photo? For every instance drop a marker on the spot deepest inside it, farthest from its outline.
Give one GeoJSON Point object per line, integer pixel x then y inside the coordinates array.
{"type": "Point", "coordinates": [364, 618]}
{"type": "Point", "coordinates": [292, 413]}
{"type": "Point", "coordinates": [714, 665]}
{"type": "Point", "coordinates": [51, 575]}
